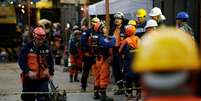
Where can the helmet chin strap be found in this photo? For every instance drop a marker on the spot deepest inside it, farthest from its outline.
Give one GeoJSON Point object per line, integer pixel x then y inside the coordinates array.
{"type": "Point", "coordinates": [165, 81]}
{"type": "Point", "coordinates": [35, 43]}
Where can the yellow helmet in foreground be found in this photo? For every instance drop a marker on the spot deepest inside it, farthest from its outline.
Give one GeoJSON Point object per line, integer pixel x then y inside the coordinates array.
{"type": "Point", "coordinates": [167, 49]}
{"type": "Point", "coordinates": [132, 22]}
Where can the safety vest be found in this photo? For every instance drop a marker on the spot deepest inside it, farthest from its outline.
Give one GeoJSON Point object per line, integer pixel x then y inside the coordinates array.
{"type": "Point", "coordinates": [133, 41]}
{"type": "Point", "coordinates": [37, 62]}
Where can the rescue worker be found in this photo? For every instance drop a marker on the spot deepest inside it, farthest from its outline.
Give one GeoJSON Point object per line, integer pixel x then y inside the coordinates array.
{"type": "Point", "coordinates": [118, 33]}
{"type": "Point", "coordinates": [88, 53]}
{"type": "Point", "coordinates": [57, 43]}
{"type": "Point", "coordinates": [150, 25]}
{"type": "Point", "coordinates": [181, 23]}
{"type": "Point", "coordinates": [141, 21]}
{"type": "Point", "coordinates": [128, 48]}
{"type": "Point", "coordinates": [157, 15]}
{"type": "Point", "coordinates": [75, 54]}
{"type": "Point", "coordinates": [168, 61]}
{"type": "Point", "coordinates": [100, 68]}
{"type": "Point", "coordinates": [37, 65]}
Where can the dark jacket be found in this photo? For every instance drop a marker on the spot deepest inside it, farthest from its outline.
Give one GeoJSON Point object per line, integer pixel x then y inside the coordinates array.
{"type": "Point", "coordinates": [140, 31]}
{"type": "Point", "coordinates": [84, 39]}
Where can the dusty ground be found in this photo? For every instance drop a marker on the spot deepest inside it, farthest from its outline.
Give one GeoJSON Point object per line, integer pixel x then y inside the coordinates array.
{"type": "Point", "coordinates": [10, 83]}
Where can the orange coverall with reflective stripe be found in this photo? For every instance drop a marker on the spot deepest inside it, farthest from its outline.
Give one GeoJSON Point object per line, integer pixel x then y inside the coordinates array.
{"type": "Point", "coordinates": [101, 73]}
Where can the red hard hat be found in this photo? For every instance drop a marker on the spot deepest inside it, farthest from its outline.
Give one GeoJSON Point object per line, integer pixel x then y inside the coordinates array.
{"type": "Point", "coordinates": [130, 30]}
{"type": "Point", "coordinates": [39, 33]}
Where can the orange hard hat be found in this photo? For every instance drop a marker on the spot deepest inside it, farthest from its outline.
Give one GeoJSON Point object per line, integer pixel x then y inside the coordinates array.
{"type": "Point", "coordinates": [130, 30]}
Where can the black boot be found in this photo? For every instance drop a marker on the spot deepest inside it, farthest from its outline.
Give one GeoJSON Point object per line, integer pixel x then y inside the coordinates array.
{"type": "Point", "coordinates": [104, 97]}
{"type": "Point", "coordinates": [75, 78]}
{"type": "Point", "coordinates": [71, 78]}
{"type": "Point", "coordinates": [120, 90]}
{"type": "Point", "coordinates": [83, 87]}
{"type": "Point", "coordinates": [129, 97]}
{"type": "Point", "coordinates": [138, 94]}
{"type": "Point", "coordinates": [96, 93]}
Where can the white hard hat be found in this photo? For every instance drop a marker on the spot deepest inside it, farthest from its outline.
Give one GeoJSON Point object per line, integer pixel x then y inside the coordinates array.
{"type": "Point", "coordinates": [155, 11]}
{"type": "Point", "coordinates": [162, 17]}
{"type": "Point", "coordinates": [119, 15]}
{"type": "Point", "coordinates": [151, 23]}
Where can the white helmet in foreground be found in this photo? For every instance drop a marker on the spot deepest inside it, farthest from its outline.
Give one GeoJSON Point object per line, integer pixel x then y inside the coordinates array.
{"type": "Point", "coordinates": [151, 23]}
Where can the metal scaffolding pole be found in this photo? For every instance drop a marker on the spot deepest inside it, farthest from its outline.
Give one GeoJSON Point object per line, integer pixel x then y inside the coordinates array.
{"type": "Point", "coordinates": [28, 18]}
{"type": "Point", "coordinates": [107, 11]}
{"type": "Point", "coordinates": [86, 4]}
{"type": "Point", "coordinates": [200, 25]}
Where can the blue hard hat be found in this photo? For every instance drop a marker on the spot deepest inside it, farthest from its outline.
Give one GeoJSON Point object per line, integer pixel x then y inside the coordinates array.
{"type": "Point", "coordinates": [182, 15]}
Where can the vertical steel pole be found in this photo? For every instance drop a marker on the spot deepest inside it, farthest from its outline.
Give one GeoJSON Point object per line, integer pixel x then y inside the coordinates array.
{"type": "Point", "coordinates": [28, 17]}
{"type": "Point", "coordinates": [200, 24]}
{"type": "Point", "coordinates": [86, 14]}
{"type": "Point", "coordinates": [107, 16]}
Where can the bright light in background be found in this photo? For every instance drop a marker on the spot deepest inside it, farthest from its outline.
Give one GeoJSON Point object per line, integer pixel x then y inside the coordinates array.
{"type": "Point", "coordinates": [68, 25]}
{"type": "Point", "coordinates": [19, 5]}
{"type": "Point", "coordinates": [22, 6]}
{"type": "Point", "coordinates": [23, 11]}
{"type": "Point", "coordinates": [82, 9]}
{"type": "Point", "coordinates": [31, 3]}
{"type": "Point", "coordinates": [11, 2]}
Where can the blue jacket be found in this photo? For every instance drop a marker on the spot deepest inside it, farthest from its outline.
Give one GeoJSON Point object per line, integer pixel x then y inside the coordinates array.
{"type": "Point", "coordinates": [106, 42]}
{"type": "Point", "coordinates": [140, 29]}
{"type": "Point", "coordinates": [74, 45]}
{"type": "Point", "coordinates": [103, 43]}
{"type": "Point", "coordinates": [84, 38]}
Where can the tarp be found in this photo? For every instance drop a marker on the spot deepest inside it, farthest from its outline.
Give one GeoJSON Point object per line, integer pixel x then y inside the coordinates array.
{"type": "Point", "coordinates": [128, 7]}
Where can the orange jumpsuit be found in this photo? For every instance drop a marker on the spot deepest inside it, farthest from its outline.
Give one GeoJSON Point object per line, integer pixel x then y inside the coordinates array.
{"type": "Point", "coordinates": [75, 58]}
{"type": "Point", "coordinates": [76, 63]}
{"type": "Point", "coordinates": [101, 73]}
{"type": "Point", "coordinates": [101, 68]}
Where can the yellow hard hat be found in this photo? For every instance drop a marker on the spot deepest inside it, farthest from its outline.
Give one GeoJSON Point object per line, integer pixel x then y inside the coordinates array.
{"type": "Point", "coordinates": [141, 13]}
{"type": "Point", "coordinates": [167, 49]}
{"type": "Point", "coordinates": [95, 20]}
{"type": "Point", "coordinates": [132, 22]}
